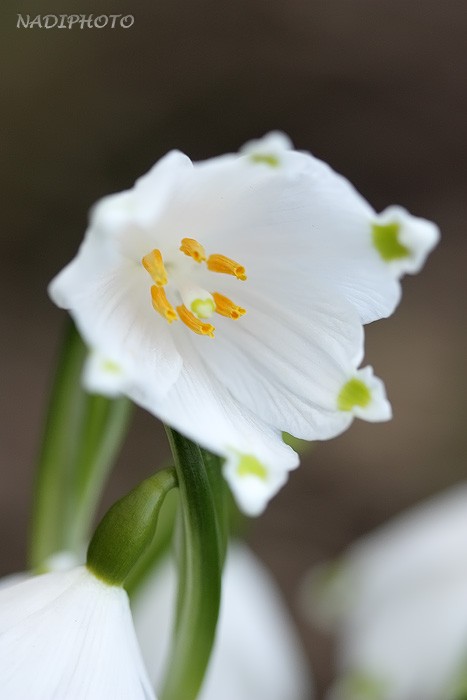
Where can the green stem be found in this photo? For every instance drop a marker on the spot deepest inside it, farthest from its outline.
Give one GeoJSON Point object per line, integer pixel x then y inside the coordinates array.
{"type": "Point", "coordinates": [200, 571]}
{"type": "Point", "coordinates": [82, 436]}
{"type": "Point", "coordinates": [220, 492]}
{"type": "Point", "coordinates": [58, 450]}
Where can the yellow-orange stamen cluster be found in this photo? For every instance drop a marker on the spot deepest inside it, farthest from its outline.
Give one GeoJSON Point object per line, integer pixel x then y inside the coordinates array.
{"type": "Point", "coordinates": [153, 263]}
{"type": "Point", "coordinates": [220, 263]}
{"type": "Point", "coordinates": [162, 304]}
{"type": "Point", "coordinates": [226, 307]}
{"type": "Point", "coordinates": [193, 249]}
{"type": "Point", "coordinates": [194, 323]}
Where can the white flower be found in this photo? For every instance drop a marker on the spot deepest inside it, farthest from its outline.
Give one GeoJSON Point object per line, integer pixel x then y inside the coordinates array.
{"type": "Point", "coordinates": [69, 635]}
{"type": "Point", "coordinates": [257, 654]}
{"type": "Point", "coordinates": [227, 297]}
{"type": "Point", "coordinates": [399, 602]}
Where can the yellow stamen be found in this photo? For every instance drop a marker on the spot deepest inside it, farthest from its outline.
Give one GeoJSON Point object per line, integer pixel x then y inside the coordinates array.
{"type": "Point", "coordinates": [162, 305]}
{"type": "Point", "coordinates": [153, 263]}
{"type": "Point", "coordinates": [193, 249]}
{"type": "Point", "coordinates": [225, 307]}
{"type": "Point", "coordinates": [220, 263]}
{"type": "Point", "coordinates": [194, 324]}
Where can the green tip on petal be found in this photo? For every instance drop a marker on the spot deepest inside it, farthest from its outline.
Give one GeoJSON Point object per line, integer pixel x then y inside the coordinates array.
{"type": "Point", "coordinates": [250, 466]}
{"type": "Point", "coordinates": [266, 159]}
{"type": "Point", "coordinates": [363, 686]}
{"type": "Point", "coordinates": [386, 242]}
{"type": "Point", "coordinates": [353, 393]}
{"type": "Point", "coordinates": [203, 308]}
{"type": "Point", "coordinates": [111, 367]}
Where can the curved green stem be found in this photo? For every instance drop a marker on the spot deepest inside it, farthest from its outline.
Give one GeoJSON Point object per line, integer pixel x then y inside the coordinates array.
{"type": "Point", "coordinates": [200, 571]}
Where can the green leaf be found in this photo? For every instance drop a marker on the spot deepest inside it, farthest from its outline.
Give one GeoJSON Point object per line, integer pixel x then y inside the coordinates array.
{"type": "Point", "coordinates": [82, 435]}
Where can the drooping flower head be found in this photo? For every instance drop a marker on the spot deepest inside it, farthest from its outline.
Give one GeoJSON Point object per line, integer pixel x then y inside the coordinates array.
{"type": "Point", "coordinates": [397, 601]}
{"type": "Point", "coordinates": [227, 297]}
{"type": "Point", "coordinates": [68, 634]}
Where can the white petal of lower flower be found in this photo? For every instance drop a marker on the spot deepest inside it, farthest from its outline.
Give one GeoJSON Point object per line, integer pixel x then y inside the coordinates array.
{"type": "Point", "coordinates": [69, 635]}
{"type": "Point", "coordinates": [403, 625]}
{"type": "Point", "coordinates": [257, 654]}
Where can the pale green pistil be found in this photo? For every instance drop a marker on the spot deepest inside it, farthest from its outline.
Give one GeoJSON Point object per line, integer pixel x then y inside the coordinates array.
{"type": "Point", "coordinates": [386, 242]}
{"type": "Point", "coordinates": [250, 466]}
{"type": "Point", "coordinates": [265, 158]}
{"type": "Point", "coordinates": [203, 308]}
{"type": "Point", "coordinates": [353, 393]}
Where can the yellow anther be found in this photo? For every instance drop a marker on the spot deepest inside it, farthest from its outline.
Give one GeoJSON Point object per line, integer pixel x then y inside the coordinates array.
{"type": "Point", "coordinates": [193, 249]}
{"type": "Point", "coordinates": [153, 263]}
{"type": "Point", "coordinates": [162, 305]}
{"type": "Point", "coordinates": [220, 263]}
{"type": "Point", "coordinates": [194, 324]}
{"type": "Point", "coordinates": [225, 307]}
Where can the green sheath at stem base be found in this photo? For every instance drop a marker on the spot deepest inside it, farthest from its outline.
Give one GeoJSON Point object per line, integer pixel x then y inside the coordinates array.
{"type": "Point", "coordinates": [128, 528]}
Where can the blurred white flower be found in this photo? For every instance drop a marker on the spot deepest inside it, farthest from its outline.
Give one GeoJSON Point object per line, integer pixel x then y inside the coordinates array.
{"type": "Point", "coordinates": [257, 654]}
{"type": "Point", "coordinates": [398, 602]}
{"type": "Point", "coordinates": [227, 298]}
{"type": "Point", "coordinates": [69, 635]}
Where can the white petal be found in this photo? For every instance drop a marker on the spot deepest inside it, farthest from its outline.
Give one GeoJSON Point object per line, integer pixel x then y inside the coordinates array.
{"type": "Point", "coordinates": [203, 410]}
{"type": "Point", "coordinates": [400, 642]}
{"type": "Point", "coordinates": [418, 235]}
{"type": "Point", "coordinates": [299, 222]}
{"type": "Point", "coordinates": [111, 305]}
{"type": "Point", "coordinates": [252, 488]}
{"type": "Point", "coordinates": [103, 376]}
{"type": "Point", "coordinates": [406, 618]}
{"type": "Point", "coordinates": [138, 209]}
{"type": "Point", "coordinates": [275, 142]}
{"type": "Point", "coordinates": [288, 368]}
{"type": "Point", "coordinates": [376, 408]}
{"type": "Point", "coordinates": [257, 654]}
{"type": "Point", "coordinates": [273, 151]}
{"type": "Point", "coordinates": [68, 635]}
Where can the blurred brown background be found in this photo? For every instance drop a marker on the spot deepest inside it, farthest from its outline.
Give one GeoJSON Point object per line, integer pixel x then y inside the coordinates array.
{"type": "Point", "coordinates": [374, 87]}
